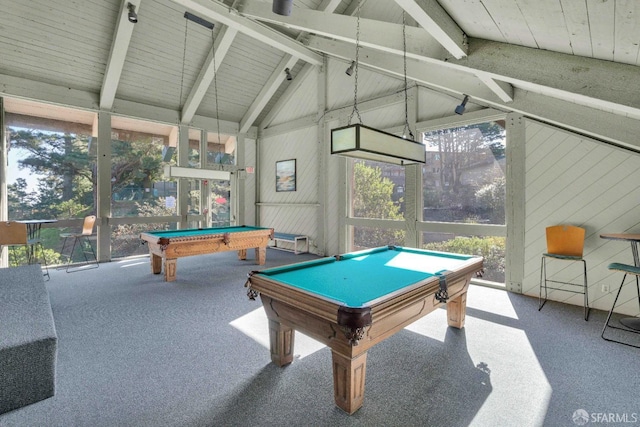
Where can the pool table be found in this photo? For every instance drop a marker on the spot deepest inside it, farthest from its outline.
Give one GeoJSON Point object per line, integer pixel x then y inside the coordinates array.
{"type": "Point", "coordinates": [165, 247]}
{"type": "Point", "coordinates": [353, 301]}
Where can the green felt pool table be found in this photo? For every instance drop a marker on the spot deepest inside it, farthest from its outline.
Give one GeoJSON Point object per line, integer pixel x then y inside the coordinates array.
{"type": "Point", "coordinates": [353, 301]}
{"type": "Point", "coordinates": [165, 247]}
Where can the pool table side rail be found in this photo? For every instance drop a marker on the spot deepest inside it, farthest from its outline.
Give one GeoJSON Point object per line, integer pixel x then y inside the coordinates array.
{"type": "Point", "coordinates": [419, 298]}
{"type": "Point", "coordinates": [163, 241]}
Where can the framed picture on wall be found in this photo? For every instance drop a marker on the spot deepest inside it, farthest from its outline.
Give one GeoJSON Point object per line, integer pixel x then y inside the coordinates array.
{"type": "Point", "coordinates": [286, 175]}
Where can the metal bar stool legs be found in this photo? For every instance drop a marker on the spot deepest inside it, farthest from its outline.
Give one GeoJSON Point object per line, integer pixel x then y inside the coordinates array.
{"type": "Point", "coordinates": [631, 324]}
{"type": "Point", "coordinates": [544, 280]}
{"type": "Point", "coordinates": [78, 239]}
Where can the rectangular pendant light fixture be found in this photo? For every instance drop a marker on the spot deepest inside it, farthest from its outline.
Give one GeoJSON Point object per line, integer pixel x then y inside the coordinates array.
{"type": "Point", "coordinates": [362, 142]}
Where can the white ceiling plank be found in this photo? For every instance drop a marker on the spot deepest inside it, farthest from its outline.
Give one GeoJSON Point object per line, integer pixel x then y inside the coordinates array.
{"type": "Point", "coordinates": [601, 22]}
{"type": "Point", "coordinates": [577, 20]}
{"type": "Point", "coordinates": [546, 24]}
{"type": "Point", "coordinates": [510, 21]}
{"type": "Point", "coordinates": [626, 34]}
{"type": "Point", "coordinates": [207, 73]}
{"type": "Point", "coordinates": [353, 7]}
{"type": "Point", "coordinates": [228, 16]}
{"type": "Point", "coordinates": [433, 75]}
{"type": "Point", "coordinates": [327, 6]}
{"type": "Point", "coordinates": [379, 35]}
{"type": "Point", "coordinates": [266, 93]}
{"type": "Point", "coordinates": [117, 56]}
{"type": "Point", "coordinates": [435, 20]}
{"type": "Point", "coordinates": [303, 74]}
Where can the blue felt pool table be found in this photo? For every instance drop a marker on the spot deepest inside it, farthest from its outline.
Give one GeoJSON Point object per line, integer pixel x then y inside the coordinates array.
{"type": "Point", "coordinates": [353, 301]}
{"type": "Point", "coordinates": [166, 246]}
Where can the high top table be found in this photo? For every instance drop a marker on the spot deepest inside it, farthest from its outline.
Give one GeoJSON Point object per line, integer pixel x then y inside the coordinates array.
{"type": "Point", "coordinates": [33, 235]}
{"type": "Point", "coordinates": [633, 239]}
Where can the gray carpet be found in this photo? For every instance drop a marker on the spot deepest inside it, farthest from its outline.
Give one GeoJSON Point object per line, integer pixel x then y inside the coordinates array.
{"type": "Point", "coordinates": [134, 350]}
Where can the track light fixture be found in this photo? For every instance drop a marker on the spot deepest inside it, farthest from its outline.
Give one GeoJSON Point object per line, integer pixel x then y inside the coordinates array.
{"type": "Point", "coordinates": [133, 16]}
{"type": "Point", "coordinates": [282, 7]}
{"type": "Point", "coordinates": [460, 108]}
{"type": "Point", "coordinates": [288, 73]}
{"type": "Point", "coordinates": [349, 70]}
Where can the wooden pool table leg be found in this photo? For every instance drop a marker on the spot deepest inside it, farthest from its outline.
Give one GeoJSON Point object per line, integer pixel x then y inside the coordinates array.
{"type": "Point", "coordinates": [281, 343]}
{"type": "Point", "coordinates": [156, 264]}
{"type": "Point", "coordinates": [348, 380]}
{"type": "Point", "coordinates": [261, 255]}
{"type": "Point", "coordinates": [242, 254]}
{"type": "Point", "coordinates": [170, 265]}
{"type": "Point", "coordinates": [456, 310]}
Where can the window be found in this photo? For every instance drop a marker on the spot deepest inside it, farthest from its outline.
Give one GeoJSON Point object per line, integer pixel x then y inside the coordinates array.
{"type": "Point", "coordinates": [377, 193]}
{"type": "Point", "coordinates": [51, 166]}
{"type": "Point", "coordinates": [464, 177]}
{"type": "Point", "coordinates": [464, 182]}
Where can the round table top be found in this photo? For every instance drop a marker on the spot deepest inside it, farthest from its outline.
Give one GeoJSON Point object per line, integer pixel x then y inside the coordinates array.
{"type": "Point", "coordinates": [632, 237]}
{"type": "Point", "coordinates": [37, 221]}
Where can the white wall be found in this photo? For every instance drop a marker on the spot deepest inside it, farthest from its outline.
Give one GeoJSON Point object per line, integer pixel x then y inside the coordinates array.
{"type": "Point", "coordinates": [575, 180]}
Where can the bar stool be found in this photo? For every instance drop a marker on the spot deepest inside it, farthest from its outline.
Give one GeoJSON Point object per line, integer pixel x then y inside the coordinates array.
{"type": "Point", "coordinates": [85, 245]}
{"type": "Point", "coordinates": [564, 243]}
{"type": "Point", "coordinates": [629, 324]}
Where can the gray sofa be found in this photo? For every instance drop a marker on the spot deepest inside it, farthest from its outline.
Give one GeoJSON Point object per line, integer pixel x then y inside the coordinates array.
{"type": "Point", "coordinates": [28, 340]}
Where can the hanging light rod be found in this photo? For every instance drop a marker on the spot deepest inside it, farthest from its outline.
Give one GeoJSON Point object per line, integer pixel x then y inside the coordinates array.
{"type": "Point", "coordinates": [198, 20]}
{"type": "Point", "coordinates": [363, 142]}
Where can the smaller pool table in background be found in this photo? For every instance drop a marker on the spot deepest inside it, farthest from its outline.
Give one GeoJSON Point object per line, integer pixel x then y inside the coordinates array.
{"type": "Point", "coordinates": [165, 247]}
{"type": "Point", "coordinates": [352, 302]}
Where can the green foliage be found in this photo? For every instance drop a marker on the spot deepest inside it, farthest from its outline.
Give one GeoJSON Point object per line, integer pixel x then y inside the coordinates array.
{"type": "Point", "coordinates": [18, 256]}
{"type": "Point", "coordinates": [372, 194]}
{"type": "Point", "coordinates": [372, 198]}
{"type": "Point", "coordinates": [491, 199]}
{"type": "Point", "coordinates": [490, 247]}
{"type": "Point", "coordinates": [125, 238]}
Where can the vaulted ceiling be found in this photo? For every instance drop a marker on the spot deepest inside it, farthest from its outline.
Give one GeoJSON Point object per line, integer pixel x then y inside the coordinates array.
{"type": "Point", "coordinates": [571, 63]}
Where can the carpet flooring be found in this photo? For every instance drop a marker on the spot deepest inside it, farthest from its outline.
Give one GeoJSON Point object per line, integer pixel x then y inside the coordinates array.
{"type": "Point", "coordinates": [134, 350]}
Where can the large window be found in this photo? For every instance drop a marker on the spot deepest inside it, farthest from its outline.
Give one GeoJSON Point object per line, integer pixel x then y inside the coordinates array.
{"type": "Point", "coordinates": [139, 151]}
{"type": "Point", "coordinates": [464, 177]}
{"type": "Point", "coordinates": [51, 167]}
{"type": "Point", "coordinates": [464, 182]}
{"type": "Point", "coordinates": [377, 192]}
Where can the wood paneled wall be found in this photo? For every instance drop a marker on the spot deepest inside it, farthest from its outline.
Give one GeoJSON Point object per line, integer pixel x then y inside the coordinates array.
{"type": "Point", "coordinates": [575, 180]}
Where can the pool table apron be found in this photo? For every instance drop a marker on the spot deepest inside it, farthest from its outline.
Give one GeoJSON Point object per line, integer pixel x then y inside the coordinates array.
{"type": "Point", "coordinates": [163, 253]}
{"type": "Point", "coordinates": [290, 309]}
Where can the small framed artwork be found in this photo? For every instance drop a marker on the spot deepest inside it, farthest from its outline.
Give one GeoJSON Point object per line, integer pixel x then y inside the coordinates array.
{"type": "Point", "coordinates": [286, 175]}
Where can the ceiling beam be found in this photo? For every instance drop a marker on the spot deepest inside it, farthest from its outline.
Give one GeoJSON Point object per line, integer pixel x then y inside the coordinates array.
{"type": "Point", "coordinates": [592, 122]}
{"type": "Point", "coordinates": [228, 16]}
{"type": "Point", "coordinates": [207, 73]}
{"type": "Point", "coordinates": [456, 82]}
{"type": "Point", "coordinates": [437, 22]}
{"type": "Point", "coordinates": [380, 35]}
{"type": "Point", "coordinates": [117, 55]}
{"type": "Point", "coordinates": [598, 83]}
